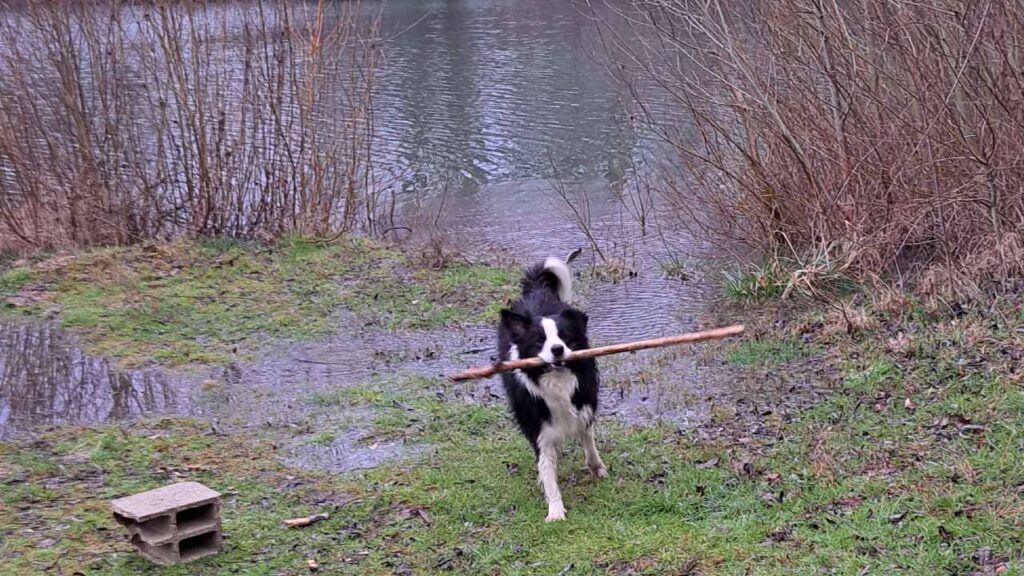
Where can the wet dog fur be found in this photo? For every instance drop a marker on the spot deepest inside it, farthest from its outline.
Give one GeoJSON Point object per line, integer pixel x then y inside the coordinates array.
{"type": "Point", "coordinates": [558, 400]}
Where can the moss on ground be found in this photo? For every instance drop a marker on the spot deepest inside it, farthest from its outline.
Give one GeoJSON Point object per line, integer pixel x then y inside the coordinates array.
{"type": "Point", "coordinates": [911, 465]}
{"type": "Point", "coordinates": [205, 301]}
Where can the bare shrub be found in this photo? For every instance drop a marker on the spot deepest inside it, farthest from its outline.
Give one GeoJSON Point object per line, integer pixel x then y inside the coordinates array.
{"type": "Point", "coordinates": [575, 209]}
{"type": "Point", "coordinates": [891, 132]}
{"type": "Point", "coordinates": [612, 248]}
{"type": "Point", "coordinates": [121, 121]}
{"type": "Point", "coordinates": [436, 247]}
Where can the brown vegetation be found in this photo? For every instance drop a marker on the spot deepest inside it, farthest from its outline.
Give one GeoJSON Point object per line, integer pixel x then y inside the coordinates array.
{"type": "Point", "coordinates": [121, 121]}
{"type": "Point", "coordinates": [882, 137]}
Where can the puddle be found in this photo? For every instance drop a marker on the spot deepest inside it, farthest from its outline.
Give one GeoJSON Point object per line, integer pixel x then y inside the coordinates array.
{"type": "Point", "coordinates": [658, 386]}
{"type": "Point", "coordinates": [46, 379]}
{"type": "Point", "coordinates": [277, 390]}
{"type": "Point", "coordinates": [349, 451]}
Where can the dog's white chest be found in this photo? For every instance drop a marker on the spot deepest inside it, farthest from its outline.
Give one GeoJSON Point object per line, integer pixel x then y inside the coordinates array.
{"type": "Point", "coordinates": [557, 388]}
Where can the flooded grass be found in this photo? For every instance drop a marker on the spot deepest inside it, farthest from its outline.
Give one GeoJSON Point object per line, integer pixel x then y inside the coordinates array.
{"type": "Point", "coordinates": [396, 298]}
{"type": "Point", "coordinates": [46, 379]}
{"type": "Point", "coordinates": [910, 464]}
{"type": "Point", "coordinates": [212, 300]}
{"type": "Point", "coordinates": [678, 266]}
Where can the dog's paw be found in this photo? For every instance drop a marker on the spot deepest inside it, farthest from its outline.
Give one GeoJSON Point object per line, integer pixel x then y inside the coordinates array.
{"type": "Point", "coordinates": [556, 512]}
{"type": "Point", "coordinates": [599, 471]}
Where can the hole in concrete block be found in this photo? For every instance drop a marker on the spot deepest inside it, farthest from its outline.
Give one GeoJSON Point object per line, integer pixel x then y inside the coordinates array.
{"type": "Point", "coordinates": [199, 546]}
{"type": "Point", "coordinates": [153, 530]}
{"type": "Point", "coordinates": [163, 555]}
{"type": "Point", "coordinates": [197, 518]}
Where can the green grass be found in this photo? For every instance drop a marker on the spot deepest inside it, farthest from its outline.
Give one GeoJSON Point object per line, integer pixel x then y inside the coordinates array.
{"type": "Point", "coordinates": [769, 352]}
{"type": "Point", "coordinates": [325, 438]}
{"type": "Point", "coordinates": [206, 301]}
{"type": "Point", "coordinates": [13, 280]}
{"type": "Point", "coordinates": [911, 465]}
{"type": "Point", "coordinates": [460, 293]}
{"type": "Point", "coordinates": [757, 284]}
{"type": "Point", "coordinates": [761, 283]}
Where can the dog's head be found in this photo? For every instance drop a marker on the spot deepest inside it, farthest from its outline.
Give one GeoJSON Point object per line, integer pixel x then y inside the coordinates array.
{"type": "Point", "coordinates": [550, 337]}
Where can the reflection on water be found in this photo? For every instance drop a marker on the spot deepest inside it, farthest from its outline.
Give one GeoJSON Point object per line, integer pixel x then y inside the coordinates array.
{"type": "Point", "coordinates": [496, 90]}
{"type": "Point", "coordinates": [45, 378]}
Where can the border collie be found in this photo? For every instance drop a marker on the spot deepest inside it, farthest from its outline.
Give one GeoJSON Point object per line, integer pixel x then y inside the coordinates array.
{"type": "Point", "coordinates": [560, 398]}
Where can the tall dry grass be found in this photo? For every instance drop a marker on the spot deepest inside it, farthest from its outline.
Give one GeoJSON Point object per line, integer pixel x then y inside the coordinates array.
{"type": "Point", "coordinates": [884, 137]}
{"type": "Point", "coordinates": [122, 121]}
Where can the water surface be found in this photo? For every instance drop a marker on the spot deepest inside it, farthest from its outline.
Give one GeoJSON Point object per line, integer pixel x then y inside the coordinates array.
{"type": "Point", "coordinates": [46, 379]}
{"type": "Point", "coordinates": [498, 90]}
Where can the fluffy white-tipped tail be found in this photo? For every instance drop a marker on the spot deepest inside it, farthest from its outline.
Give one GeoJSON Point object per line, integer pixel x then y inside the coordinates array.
{"type": "Point", "coordinates": [561, 271]}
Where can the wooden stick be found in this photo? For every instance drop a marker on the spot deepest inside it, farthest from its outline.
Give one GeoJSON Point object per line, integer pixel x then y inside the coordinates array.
{"type": "Point", "coordinates": [510, 365]}
{"type": "Point", "coordinates": [306, 521]}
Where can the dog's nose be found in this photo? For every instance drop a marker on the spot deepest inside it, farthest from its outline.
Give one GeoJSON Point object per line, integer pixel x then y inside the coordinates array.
{"type": "Point", "coordinates": [558, 350]}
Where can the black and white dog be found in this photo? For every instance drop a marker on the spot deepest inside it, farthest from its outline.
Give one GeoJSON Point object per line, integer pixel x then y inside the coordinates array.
{"type": "Point", "coordinates": [559, 399]}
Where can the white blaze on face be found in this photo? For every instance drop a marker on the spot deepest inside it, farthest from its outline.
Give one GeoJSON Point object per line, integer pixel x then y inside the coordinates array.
{"type": "Point", "coordinates": [551, 339]}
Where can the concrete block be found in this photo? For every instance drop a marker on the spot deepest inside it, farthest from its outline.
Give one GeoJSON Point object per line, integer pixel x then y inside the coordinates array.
{"type": "Point", "coordinates": [173, 524]}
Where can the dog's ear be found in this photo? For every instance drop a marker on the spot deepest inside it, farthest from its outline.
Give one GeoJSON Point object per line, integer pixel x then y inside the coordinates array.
{"type": "Point", "coordinates": [578, 318]}
{"type": "Point", "coordinates": [515, 323]}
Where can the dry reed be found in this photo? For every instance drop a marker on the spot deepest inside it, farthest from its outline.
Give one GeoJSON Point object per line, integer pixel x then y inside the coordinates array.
{"type": "Point", "coordinates": [890, 132]}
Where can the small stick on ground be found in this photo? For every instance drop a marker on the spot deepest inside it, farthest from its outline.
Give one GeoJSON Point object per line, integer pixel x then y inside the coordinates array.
{"type": "Point", "coordinates": [306, 521]}
{"type": "Point", "coordinates": [508, 366]}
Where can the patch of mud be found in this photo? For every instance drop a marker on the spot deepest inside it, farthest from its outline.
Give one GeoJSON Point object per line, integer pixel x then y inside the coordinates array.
{"type": "Point", "coordinates": [759, 403]}
{"type": "Point", "coordinates": [279, 390]}
{"type": "Point", "coordinates": [659, 386]}
{"type": "Point", "coordinates": [46, 379]}
{"type": "Point", "coordinates": [352, 449]}
{"type": "Point", "coordinates": [287, 394]}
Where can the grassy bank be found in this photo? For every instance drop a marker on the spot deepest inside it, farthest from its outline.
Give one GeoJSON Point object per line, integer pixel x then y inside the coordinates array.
{"type": "Point", "coordinates": [910, 463]}
{"type": "Point", "coordinates": [210, 300]}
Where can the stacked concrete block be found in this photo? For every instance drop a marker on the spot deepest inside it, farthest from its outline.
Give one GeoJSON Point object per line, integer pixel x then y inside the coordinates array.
{"type": "Point", "coordinates": [173, 524]}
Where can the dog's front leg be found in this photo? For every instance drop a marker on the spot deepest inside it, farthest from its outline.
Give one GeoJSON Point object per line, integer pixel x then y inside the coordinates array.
{"type": "Point", "coordinates": [593, 459]}
{"type": "Point", "coordinates": [547, 468]}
